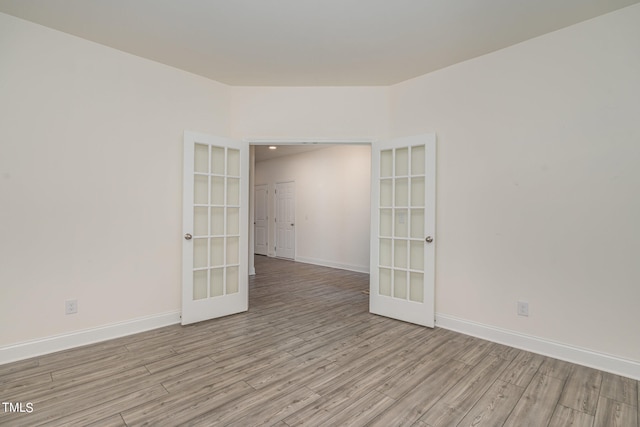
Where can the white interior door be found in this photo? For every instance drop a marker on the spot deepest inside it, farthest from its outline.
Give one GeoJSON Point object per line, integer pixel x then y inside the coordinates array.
{"type": "Point", "coordinates": [260, 220]}
{"type": "Point", "coordinates": [215, 227]}
{"type": "Point", "coordinates": [402, 229]}
{"type": "Point", "coordinates": [285, 220]}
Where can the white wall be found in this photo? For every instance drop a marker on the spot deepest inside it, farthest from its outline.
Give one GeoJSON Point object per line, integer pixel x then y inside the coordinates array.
{"type": "Point", "coordinates": [333, 188]}
{"type": "Point", "coordinates": [332, 113]}
{"type": "Point", "coordinates": [538, 184]}
{"type": "Point", "coordinates": [91, 180]}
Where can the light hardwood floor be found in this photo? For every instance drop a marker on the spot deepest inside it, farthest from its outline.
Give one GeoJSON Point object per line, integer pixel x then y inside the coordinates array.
{"type": "Point", "coordinates": [308, 353]}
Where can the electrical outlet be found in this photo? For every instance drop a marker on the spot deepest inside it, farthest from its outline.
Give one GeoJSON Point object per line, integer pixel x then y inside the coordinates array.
{"type": "Point", "coordinates": [523, 308]}
{"type": "Point", "coordinates": [71, 306]}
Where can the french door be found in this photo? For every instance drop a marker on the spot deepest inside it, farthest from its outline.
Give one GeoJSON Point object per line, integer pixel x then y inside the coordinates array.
{"type": "Point", "coordinates": [215, 227]}
{"type": "Point", "coordinates": [402, 229]}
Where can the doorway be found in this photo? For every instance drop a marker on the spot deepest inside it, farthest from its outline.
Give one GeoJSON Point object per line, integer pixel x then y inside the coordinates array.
{"type": "Point", "coordinates": [328, 216]}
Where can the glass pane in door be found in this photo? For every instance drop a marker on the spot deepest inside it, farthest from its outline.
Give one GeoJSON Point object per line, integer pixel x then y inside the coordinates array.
{"type": "Point", "coordinates": [386, 222]}
{"type": "Point", "coordinates": [201, 158]}
{"type": "Point", "coordinates": [401, 223]}
{"type": "Point", "coordinates": [402, 162]}
{"type": "Point", "coordinates": [232, 280]}
{"type": "Point", "coordinates": [402, 192]}
{"type": "Point", "coordinates": [416, 291]}
{"type": "Point", "coordinates": [233, 221]}
{"type": "Point", "coordinates": [216, 285]}
{"type": "Point", "coordinates": [400, 254]}
{"type": "Point", "coordinates": [201, 221]}
{"type": "Point", "coordinates": [385, 252]}
{"type": "Point", "coordinates": [400, 284]}
{"type": "Point", "coordinates": [217, 160]}
{"type": "Point", "coordinates": [200, 253]}
{"type": "Point", "coordinates": [217, 221]}
{"type": "Point", "coordinates": [217, 190]}
{"type": "Point", "coordinates": [386, 193]}
{"type": "Point", "coordinates": [417, 191]}
{"type": "Point", "coordinates": [417, 255]}
{"type": "Point", "coordinates": [417, 223]}
{"type": "Point", "coordinates": [199, 284]}
{"type": "Point", "coordinates": [417, 160]}
{"type": "Point", "coordinates": [233, 162]}
{"type": "Point", "coordinates": [386, 163]}
{"type": "Point", "coordinates": [385, 282]}
{"type": "Point", "coordinates": [200, 189]}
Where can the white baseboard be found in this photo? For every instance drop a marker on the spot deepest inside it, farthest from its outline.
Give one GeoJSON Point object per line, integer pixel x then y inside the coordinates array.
{"type": "Point", "coordinates": [325, 263]}
{"type": "Point", "coordinates": [580, 356]}
{"type": "Point", "coordinates": [27, 349]}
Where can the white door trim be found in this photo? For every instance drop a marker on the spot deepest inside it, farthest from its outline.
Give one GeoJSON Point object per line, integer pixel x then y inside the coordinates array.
{"type": "Point", "coordinates": [304, 141]}
{"type": "Point", "coordinates": [257, 223]}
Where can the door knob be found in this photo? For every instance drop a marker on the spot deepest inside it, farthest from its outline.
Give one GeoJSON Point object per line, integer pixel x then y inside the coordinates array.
{"type": "Point", "coordinates": [188, 236]}
{"type": "Point", "coordinates": [292, 225]}
{"type": "Point", "coordinates": [429, 239]}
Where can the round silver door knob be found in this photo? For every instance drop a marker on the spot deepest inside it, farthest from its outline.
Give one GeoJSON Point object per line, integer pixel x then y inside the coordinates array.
{"type": "Point", "coordinates": [429, 239]}
{"type": "Point", "coordinates": [188, 236]}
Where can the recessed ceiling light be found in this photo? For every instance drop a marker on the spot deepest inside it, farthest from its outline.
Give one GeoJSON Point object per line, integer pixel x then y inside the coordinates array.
{"type": "Point", "coordinates": [272, 147]}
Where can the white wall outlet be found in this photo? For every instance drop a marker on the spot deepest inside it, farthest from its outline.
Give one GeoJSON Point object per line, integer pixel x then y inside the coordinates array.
{"type": "Point", "coordinates": [71, 306]}
{"type": "Point", "coordinates": [523, 308]}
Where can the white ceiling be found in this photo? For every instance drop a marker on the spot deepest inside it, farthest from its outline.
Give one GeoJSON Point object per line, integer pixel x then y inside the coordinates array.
{"type": "Point", "coordinates": [309, 42]}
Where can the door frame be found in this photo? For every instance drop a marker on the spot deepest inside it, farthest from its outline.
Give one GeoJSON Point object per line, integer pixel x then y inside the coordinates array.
{"type": "Point", "coordinates": [254, 217]}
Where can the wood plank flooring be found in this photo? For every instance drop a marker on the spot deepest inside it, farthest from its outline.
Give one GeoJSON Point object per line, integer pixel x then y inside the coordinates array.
{"type": "Point", "coordinates": [308, 353]}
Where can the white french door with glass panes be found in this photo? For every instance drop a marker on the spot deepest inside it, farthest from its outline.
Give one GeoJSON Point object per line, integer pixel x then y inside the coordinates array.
{"type": "Point", "coordinates": [215, 227]}
{"type": "Point", "coordinates": [402, 229]}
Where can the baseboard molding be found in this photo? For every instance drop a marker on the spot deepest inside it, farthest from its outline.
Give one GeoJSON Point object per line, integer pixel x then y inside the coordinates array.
{"type": "Point", "coordinates": [38, 347]}
{"type": "Point", "coordinates": [325, 263]}
{"type": "Point", "coordinates": [580, 356]}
